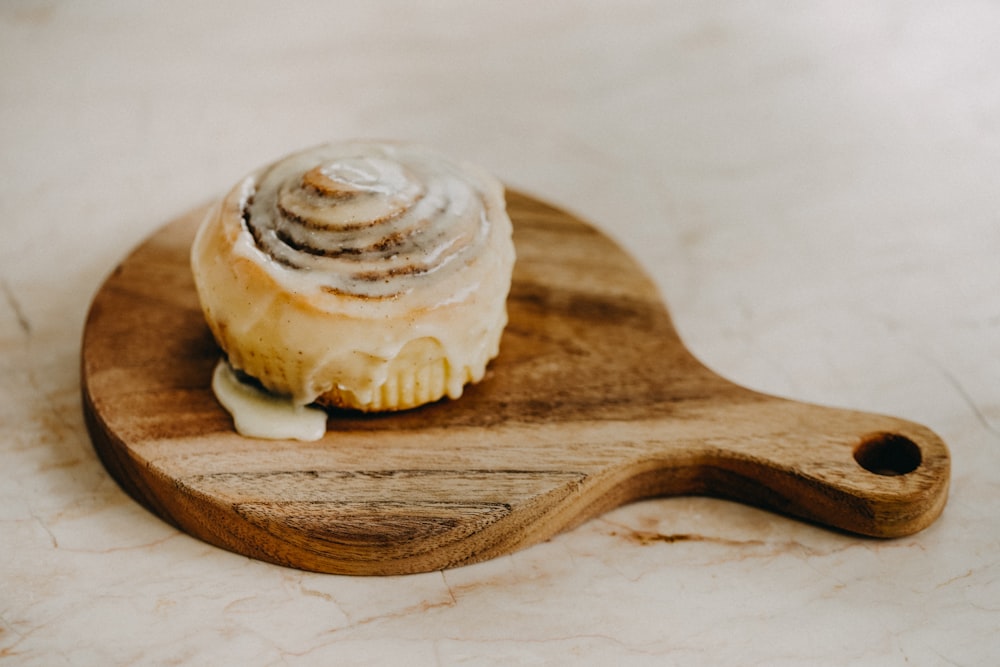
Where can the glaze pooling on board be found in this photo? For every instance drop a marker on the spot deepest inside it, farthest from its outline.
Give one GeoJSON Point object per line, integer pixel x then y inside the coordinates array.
{"type": "Point", "coordinates": [260, 414]}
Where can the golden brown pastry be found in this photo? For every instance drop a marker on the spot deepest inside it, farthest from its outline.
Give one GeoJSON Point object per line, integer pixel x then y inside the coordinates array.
{"type": "Point", "coordinates": [365, 275]}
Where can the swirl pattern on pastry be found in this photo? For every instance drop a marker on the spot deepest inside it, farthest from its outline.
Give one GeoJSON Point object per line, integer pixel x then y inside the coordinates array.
{"type": "Point", "coordinates": [368, 220]}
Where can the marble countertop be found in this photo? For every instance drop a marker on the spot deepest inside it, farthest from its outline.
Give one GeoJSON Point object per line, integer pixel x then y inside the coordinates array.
{"type": "Point", "coordinates": [812, 186]}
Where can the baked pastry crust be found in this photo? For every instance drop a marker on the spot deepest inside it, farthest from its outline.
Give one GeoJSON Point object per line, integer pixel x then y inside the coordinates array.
{"type": "Point", "coordinates": [365, 275]}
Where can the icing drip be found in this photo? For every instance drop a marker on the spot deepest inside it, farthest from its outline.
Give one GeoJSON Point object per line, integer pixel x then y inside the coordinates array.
{"type": "Point", "coordinates": [261, 414]}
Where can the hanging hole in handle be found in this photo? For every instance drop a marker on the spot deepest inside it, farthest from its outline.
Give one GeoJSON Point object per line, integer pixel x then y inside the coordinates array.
{"type": "Point", "coordinates": [887, 454]}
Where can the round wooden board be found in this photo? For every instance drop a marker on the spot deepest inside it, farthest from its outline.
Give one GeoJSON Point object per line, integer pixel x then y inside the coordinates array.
{"type": "Point", "coordinates": [593, 402]}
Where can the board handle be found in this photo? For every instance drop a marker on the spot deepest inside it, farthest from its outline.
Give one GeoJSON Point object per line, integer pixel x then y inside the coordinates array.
{"type": "Point", "coordinates": [860, 472]}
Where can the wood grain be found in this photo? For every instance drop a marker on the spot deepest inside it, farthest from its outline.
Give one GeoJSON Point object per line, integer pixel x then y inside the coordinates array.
{"type": "Point", "coordinates": [593, 402]}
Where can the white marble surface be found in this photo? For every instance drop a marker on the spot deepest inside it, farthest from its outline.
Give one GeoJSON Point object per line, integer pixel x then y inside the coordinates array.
{"type": "Point", "coordinates": [814, 186]}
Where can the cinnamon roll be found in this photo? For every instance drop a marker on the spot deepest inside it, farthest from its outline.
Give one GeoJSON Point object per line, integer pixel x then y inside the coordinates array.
{"type": "Point", "coordinates": [363, 275]}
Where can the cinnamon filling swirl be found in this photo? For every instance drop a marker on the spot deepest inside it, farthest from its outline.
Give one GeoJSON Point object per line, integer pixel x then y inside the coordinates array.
{"type": "Point", "coordinates": [364, 222]}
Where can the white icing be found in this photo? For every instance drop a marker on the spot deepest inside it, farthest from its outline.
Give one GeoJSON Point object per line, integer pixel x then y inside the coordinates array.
{"type": "Point", "coordinates": [395, 218]}
{"type": "Point", "coordinates": [260, 414]}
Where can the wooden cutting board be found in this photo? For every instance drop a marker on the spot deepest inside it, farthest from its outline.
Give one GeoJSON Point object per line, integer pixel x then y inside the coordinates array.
{"type": "Point", "coordinates": [593, 402]}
